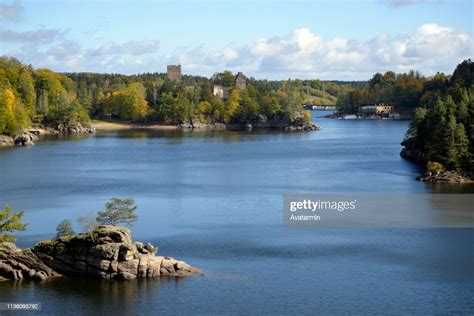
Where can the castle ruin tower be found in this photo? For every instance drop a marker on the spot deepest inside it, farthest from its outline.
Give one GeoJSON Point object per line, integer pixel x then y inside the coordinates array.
{"type": "Point", "coordinates": [173, 72]}
{"type": "Point", "coordinates": [240, 81]}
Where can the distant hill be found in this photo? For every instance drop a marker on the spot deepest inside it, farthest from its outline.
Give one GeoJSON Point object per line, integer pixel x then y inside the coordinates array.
{"type": "Point", "coordinates": [317, 92]}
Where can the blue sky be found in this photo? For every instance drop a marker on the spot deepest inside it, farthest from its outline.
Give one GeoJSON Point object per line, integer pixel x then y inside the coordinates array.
{"type": "Point", "coordinates": [266, 39]}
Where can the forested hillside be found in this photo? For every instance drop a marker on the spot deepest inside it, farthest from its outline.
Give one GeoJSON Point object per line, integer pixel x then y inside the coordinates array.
{"type": "Point", "coordinates": [42, 97]}
{"type": "Point", "coordinates": [403, 91]}
{"type": "Point", "coordinates": [442, 130]}
{"type": "Point", "coordinates": [36, 96]}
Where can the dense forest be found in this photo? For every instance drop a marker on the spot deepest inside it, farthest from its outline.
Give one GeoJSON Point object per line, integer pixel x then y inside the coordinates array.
{"type": "Point", "coordinates": [442, 130]}
{"type": "Point", "coordinates": [403, 91]}
{"type": "Point", "coordinates": [43, 97]}
{"type": "Point", "coordinates": [161, 100]}
{"type": "Point", "coordinates": [30, 96]}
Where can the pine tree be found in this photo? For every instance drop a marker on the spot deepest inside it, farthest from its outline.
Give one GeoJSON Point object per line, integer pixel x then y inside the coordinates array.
{"type": "Point", "coordinates": [10, 222]}
{"type": "Point", "coordinates": [118, 211]}
{"type": "Point", "coordinates": [64, 228]}
{"type": "Point", "coordinates": [462, 146]}
{"type": "Point", "coordinates": [450, 148]}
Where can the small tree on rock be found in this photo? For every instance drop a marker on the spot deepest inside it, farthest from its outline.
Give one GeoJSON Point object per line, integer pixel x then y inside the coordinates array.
{"type": "Point", "coordinates": [10, 222]}
{"type": "Point", "coordinates": [64, 228]}
{"type": "Point", "coordinates": [118, 211]}
{"type": "Point", "coordinates": [88, 223]}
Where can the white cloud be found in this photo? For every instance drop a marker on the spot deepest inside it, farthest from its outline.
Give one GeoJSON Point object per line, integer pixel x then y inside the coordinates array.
{"type": "Point", "coordinates": [128, 48]}
{"type": "Point", "coordinates": [403, 3]}
{"type": "Point", "coordinates": [301, 53]}
{"type": "Point", "coordinates": [42, 35]}
{"type": "Point", "coordinates": [12, 12]}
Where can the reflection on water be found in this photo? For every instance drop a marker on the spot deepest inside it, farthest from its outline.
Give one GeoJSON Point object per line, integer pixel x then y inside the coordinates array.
{"type": "Point", "coordinates": [451, 188]}
{"type": "Point", "coordinates": [215, 200]}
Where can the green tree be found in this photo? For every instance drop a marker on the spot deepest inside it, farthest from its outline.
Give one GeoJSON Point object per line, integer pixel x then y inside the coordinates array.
{"type": "Point", "coordinates": [64, 228]}
{"type": "Point", "coordinates": [88, 222]}
{"type": "Point", "coordinates": [27, 90]}
{"type": "Point", "coordinates": [443, 130]}
{"type": "Point", "coordinates": [451, 152]}
{"type": "Point", "coordinates": [291, 100]}
{"type": "Point", "coordinates": [205, 112]}
{"type": "Point", "coordinates": [130, 103]}
{"type": "Point", "coordinates": [118, 211]}
{"type": "Point", "coordinates": [248, 108]}
{"type": "Point", "coordinates": [462, 147]}
{"type": "Point", "coordinates": [225, 79]}
{"type": "Point", "coordinates": [183, 110]}
{"type": "Point", "coordinates": [10, 222]}
{"type": "Point", "coordinates": [271, 105]}
{"type": "Point", "coordinates": [167, 103]}
{"type": "Point", "coordinates": [218, 109]}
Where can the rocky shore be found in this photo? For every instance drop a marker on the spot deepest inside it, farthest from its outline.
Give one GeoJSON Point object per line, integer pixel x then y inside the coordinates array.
{"type": "Point", "coordinates": [28, 137]}
{"type": "Point", "coordinates": [447, 177]}
{"type": "Point", "coordinates": [72, 129]}
{"type": "Point", "coordinates": [107, 253]}
{"type": "Point", "coordinates": [262, 122]}
{"type": "Point", "coordinates": [249, 127]}
{"type": "Point", "coordinates": [410, 152]}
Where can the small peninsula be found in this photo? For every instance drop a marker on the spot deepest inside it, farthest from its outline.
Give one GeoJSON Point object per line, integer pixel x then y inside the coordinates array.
{"type": "Point", "coordinates": [108, 252]}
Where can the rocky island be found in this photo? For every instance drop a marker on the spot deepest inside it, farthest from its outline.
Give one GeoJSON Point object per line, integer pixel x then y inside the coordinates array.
{"type": "Point", "coordinates": [108, 252]}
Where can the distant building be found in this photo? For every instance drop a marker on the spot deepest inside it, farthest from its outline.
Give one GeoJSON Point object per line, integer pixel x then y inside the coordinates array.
{"type": "Point", "coordinates": [380, 109]}
{"type": "Point", "coordinates": [173, 72]}
{"type": "Point", "coordinates": [240, 81]}
{"type": "Point", "coordinates": [221, 91]}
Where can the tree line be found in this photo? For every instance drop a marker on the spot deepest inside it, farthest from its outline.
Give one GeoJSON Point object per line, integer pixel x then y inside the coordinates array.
{"type": "Point", "coordinates": [403, 91]}
{"type": "Point", "coordinates": [42, 97]}
{"type": "Point", "coordinates": [151, 97]}
{"type": "Point", "coordinates": [443, 125]}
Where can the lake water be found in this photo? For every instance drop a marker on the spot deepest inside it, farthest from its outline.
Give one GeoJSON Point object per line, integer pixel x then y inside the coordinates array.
{"type": "Point", "coordinates": [215, 201]}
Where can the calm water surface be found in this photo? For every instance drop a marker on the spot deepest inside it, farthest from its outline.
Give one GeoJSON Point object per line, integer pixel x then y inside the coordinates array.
{"type": "Point", "coordinates": [215, 200]}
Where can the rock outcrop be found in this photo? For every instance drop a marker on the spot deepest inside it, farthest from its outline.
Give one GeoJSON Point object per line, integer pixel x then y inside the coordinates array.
{"type": "Point", "coordinates": [17, 264]}
{"type": "Point", "coordinates": [29, 137]}
{"type": "Point", "coordinates": [447, 177]}
{"type": "Point", "coordinates": [25, 138]}
{"type": "Point", "coordinates": [6, 141]}
{"type": "Point", "coordinates": [71, 129]}
{"type": "Point", "coordinates": [302, 127]}
{"type": "Point", "coordinates": [410, 152]}
{"type": "Point", "coordinates": [107, 253]}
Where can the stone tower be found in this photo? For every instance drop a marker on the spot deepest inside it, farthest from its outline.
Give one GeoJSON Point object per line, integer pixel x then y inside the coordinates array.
{"type": "Point", "coordinates": [240, 81]}
{"type": "Point", "coordinates": [173, 72]}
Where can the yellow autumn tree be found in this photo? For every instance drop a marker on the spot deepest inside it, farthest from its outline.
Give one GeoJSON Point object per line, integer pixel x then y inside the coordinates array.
{"type": "Point", "coordinates": [232, 105]}
{"type": "Point", "coordinates": [130, 103]}
{"type": "Point", "coordinates": [12, 113]}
